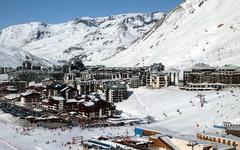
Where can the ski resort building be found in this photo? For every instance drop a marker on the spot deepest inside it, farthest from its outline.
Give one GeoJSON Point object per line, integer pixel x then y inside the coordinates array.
{"type": "Point", "coordinates": [30, 98]}
{"type": "Point", "coordinates": [158, 80]}
{"type": "Point", "coordinates": [115, 92]}
{"type": "Point", "coordinates": [4, 70]}
{"type": "Point", "coordinates": [174, 76]}
{"type": "Point", "coordinates": [59, 89]}
{"type": "Point", "coordinates": [7, 90]}
{"type": "Point", "coordinates": [135, 82]}
{"type": "Point", "coordinates": [171, 141]}
{"type": "Point", "coordinates": [219, 138]}
{"type": "Point", "coordinates": [20, 86]}
{"type": "Point", "coordinates": [87, 87]}
{"type": "Point", "coordinates": [74, 65]}
{"type": "Point", "coordinates": [69, 78]}
{"type": "Point", "coordinates": [229, 128]}
{"type": "Point", "coordinates": [205, 77]}
{"type": "Point", "coordinates": [85, 106]}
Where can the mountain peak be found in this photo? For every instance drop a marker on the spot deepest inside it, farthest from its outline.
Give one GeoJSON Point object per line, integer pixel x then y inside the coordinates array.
{"type": "Point", "coordinates": [92, 39]}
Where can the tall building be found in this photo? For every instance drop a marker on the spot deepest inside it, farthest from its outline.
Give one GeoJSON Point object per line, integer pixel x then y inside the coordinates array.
{"type": "Point", "coordinates": [205, 77]}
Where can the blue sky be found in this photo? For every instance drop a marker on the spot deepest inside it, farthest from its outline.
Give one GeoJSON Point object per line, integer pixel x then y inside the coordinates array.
{"type": "Point", "coordinates": [57, 11]}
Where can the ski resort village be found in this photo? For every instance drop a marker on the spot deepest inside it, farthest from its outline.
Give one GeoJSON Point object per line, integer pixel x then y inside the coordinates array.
{"type": "Point", "coordinates": [133, 81]}
{"type": "Point", "coordinates": [122, 107]}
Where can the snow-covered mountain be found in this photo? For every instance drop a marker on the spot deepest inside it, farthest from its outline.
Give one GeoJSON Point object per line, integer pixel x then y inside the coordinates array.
{"type": "Point", "coordinates": [92, 39]}
{"type": "Point", "coordinates": [197, 31]}
{"type": "Point", "coordinates": [206, 31]}
{"type": "Point", "coordinates": [14, 57]}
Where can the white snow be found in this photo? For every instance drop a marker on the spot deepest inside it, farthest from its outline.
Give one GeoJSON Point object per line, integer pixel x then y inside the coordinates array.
{"type": "Point", "coordinates": [183, 115]}
{"type": "Point", "coordinates": [36, 138]}
{"type": "Point", "coordinates": [195, 32]}
{"type": "Point", "coordinates": [88, 103]}
{"type": "Point", "coordinates": [94, 39]}
{"type": "Point", "coordinates": [220, 107]}
{"type": "Point", "coordinates": [12, 96]}
{"type": "Point", "coordinates": [190, 34]}
{"type": "Point", "coordinates": [58, 98]}
{"type": "Point", "coordinates": [13, 57]}
{"type": "Point", "coordinates": [3, 77]}
{"type": "Point", "coordinates": [26, 93]}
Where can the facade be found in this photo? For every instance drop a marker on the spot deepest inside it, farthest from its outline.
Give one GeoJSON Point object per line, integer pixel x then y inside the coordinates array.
{"type": "Point", "coordinates": [20, 86]}
{"type": "Point", "coordinates": [59, 89]}
{"type": "Point", "coordinates": [12, 98]}
{"type": "Point", "coordinates": [156, 67]}
{"type": "Point", "coordinates": [6, 90]}
{"type": "Point", "coordinates": [69, 78]}
{"type": "Point", "coordinates": [4, 70]}
{"type": "Point", "coordinates": [30, 98]}
{"type": "Point", "coordinates": [27, 65]}
{"type": "Point", "coordinates": [53, 103]}
{"type": "Point", "coordinates": [87, 87]}
{"type": "Point", "coordinates": [223, 139]}
{"type": "Point", "coordinates": [135, 82]}
{"type": "Point", "coordinates": [233, 129]}
{"type": "Point", "coordinates": [174, 76]}
{"type": "Point", "coordinates": [171, 141]}
{"type": "Point", "coordinates": [204, 76]}
{"type": "Point", "coordinates": [115, 92]}
{"type": "Point", "coordinates": [158, 80]}
{"type": "Point", "coordinates": [74, 65]}
{"type": "Point", "coordinates": [86, 107]}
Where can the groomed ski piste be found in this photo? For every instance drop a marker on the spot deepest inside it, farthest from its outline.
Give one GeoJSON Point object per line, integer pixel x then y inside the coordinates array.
{"type": "Point", "coordinates": [181, 111]}
{"type": "Point", "coordinates": [174, 110]}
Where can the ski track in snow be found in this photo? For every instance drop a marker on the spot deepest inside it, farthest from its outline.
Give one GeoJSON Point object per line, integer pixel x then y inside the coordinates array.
{"type": "Point", "coordinates": [12, 147]}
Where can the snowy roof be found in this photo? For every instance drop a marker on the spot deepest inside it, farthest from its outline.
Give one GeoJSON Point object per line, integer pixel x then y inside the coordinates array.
{"type": "Point", "coordinates": [157, 73]}
{"type": "Point", "coordinates": [206, 83]}
{"type": "Point", "coordinates": [88, 103]}
{"type": "Point", "coordinates": [35, 84]}
{"type": "Point", "coordinates": [202, 66]}
{"type": "Point", "coordinates": [11, 88]}
{"type": "Point", "coordinates": [85, 81]}
{"type": "Point", "coordinates": [58, 98]}
{"type": "Point", "coordinates": [82, 100]}
{"type": "Point", "coordinates": [26, 93]}
{"type": "Point", "coordinates": [228, 67]}
{"type": "Point", "coordinates": [116, 86]}
{"type": "Point", "coordinates": [3, 77]}
{"type": "Point", "coordinates": [172, 70]}
{"type": "Point", "coordinates": [72, 101]}
{"type": "Point", "coordinates": [63, 89]}
{"type": "Point", "coordinates": [169, 142]}
{"type": "Point", "coordinates": [12, 96]}
{"type": "Point", "coordinates": [96, 99]}
{"type": "Point", "coordinates": [45, 100]}
{"type": "Point", "coordinates": [56, 85]}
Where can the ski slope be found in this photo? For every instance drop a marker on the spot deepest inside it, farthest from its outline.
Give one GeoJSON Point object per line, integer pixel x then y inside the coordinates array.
{"type": "Point", "coordinates": [92, 39]}
{"type": "Point", "coordinates": [224, 106]}
{"type": "Point", "coordinates": [14, 57]}
{"type": "Point", "coordinates": [197, 31]}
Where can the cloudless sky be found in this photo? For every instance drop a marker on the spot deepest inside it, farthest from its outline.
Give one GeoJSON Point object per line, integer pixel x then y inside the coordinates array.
{"type": "Point", "coordinates": [58, 11]}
